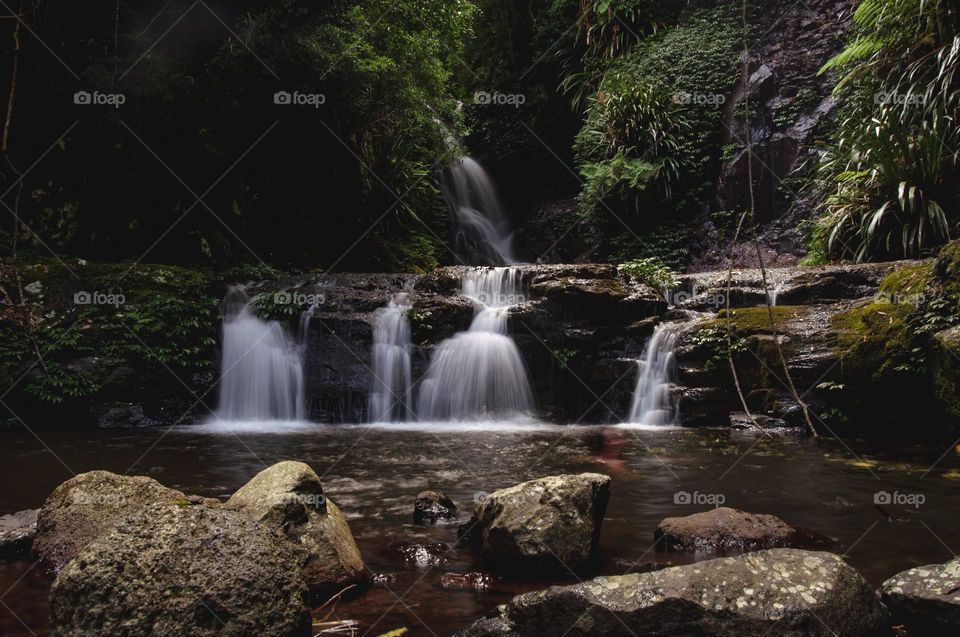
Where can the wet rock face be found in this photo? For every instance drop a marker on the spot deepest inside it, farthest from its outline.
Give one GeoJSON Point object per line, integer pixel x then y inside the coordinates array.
{"type": "Point", "coordinates": [432, 507]}
{"type": "Point", "coordinates": [542, 526]}
{"type": "Point", "coordinates": [177, 569]}
{"type": "Point", "coordinates": [288, 497]}
{"type": "Point", "coordinates": [724, 529]}
{"type": "Point", "coordinates": [17, 531]}
{"type": "Point", "coordinates": [776, 592]}
{"type": "Point", "coordinates": [925, 599]}
{"type": "Point", "coordinates": [90, 504]}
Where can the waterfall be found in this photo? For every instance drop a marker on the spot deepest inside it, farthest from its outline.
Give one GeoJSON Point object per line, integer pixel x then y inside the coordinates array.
{"type": "Point", "coordinates": [653, 399]}
{"type": "Point", "coordinates": [481, 230]}
{"type": "Point", "coordinates": [261, 368]}
{"type": "Point", "coordinates": [479, 373]}
{"type": "Point", "coordinates": [391, 398]}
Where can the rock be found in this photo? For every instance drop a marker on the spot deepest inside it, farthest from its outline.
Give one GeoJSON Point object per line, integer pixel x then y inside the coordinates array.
{"type": "Point", "coordinates": [775, 592]}
{"type": "Point", "coordinates": [945, 365]}
{"type": "Point", "coordinates": [725, 529]}
{"type": "Point", "coordinates": [546, 525]}
{"type": "Point", "coordinates": [89, 504]}
{"type": "Point", "coordinates": [175, 569]}
{"type": "Point", "coordinates": [116, 415]}
{"type": "Point", "coordinates": [466, 581]}
{"type": "Point", "coordinates": [17, 531]}
{"type": "Point", "coordinates": [288, 497]}
{"type": "Point", "coordinates": [740, 420]}
{"type": "Point", "coordinates": [419, 554]}
{"type": "Point", "coordinates": [433, 506]}
{"type": "Point", "coordinates": [926, 599]}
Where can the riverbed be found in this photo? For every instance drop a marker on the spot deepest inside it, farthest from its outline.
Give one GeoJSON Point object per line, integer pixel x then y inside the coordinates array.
{"type": "Point", "coordinates": [889, 505]}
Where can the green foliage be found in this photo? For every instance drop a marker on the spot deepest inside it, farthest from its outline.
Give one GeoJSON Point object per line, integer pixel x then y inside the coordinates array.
{"type": "Point", "coordinates": [652, 127]}
{"type": "Point", "coordinates": [713, 340]}
{"type": "Point", "coordinates": [163, 322]}
{"type": "Point", "coordinates": [892, 170]}
{"type": "Point", "coordinates": [652, 272]}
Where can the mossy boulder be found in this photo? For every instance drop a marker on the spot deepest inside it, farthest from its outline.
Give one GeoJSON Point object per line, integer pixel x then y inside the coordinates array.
{"type": "Point", "coordinates": [91, 504]}
{"type": "Point", "coordinates": [289, 498]}
{"type": "Point", "coordinates": [543, 526]}
{"type": "Point", "coordinates": [172, 570]}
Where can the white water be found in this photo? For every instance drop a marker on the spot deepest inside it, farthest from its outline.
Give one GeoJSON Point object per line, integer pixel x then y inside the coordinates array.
{"type": "Point", "coordinates": [653, 401]}
{"type": "Point", "coordinates": [481, 230]}
{"type": "Point", "coordinates": [479, 374]}
{"type": "Point", "coordinates": [261, 369]}
{"type": "Point", "coordinates": [391, 397]}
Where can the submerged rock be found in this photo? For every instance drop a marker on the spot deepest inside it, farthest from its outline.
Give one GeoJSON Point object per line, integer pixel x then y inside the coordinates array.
{"type": "Point", "coordinates": [288, 497]}
{"type": "Point", "coordinates": [466, 581]}
{"type": "Point", "coordinates": [433, 506]}
{"type": "Point", "coordinates": [174, 570]}
{"type": "Point", "coordinates": [926, 599]}
{"type": "Point", "coordinates": [92, 503]}
{"type": "Point", "coordinates": [17, 531]}
{"type": "Point", "coordinates": [775, 592]}
{"type": "Point", "coordinates": [725, 529]}
{"type": "Point", "coordinates": [547, 525]}
{"type": "Point", "coordinates": [419, 554]}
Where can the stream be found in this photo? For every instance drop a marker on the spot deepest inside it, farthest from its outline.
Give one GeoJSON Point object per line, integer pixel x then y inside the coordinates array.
{"type": "Point", "coordinates": [374, 472]}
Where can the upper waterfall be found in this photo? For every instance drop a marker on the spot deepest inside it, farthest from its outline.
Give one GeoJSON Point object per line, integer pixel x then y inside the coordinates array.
{"type": "Point", "coordinates": [481, 230]}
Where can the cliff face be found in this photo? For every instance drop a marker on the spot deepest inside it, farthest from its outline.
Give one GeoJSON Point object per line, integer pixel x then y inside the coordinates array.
{"type": "Point", "coordinates": [790, 108]}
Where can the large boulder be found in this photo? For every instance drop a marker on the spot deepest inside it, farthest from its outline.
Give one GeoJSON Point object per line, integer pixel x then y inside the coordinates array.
{"type": "Point", "coordinates": [17, 531]}
{"type": "Point", "coordinates": [550, 524]}
{"type": "Point", "coordinates": [89, 504]}
{"type": "Point", "coordinates": [926, 599]}
{"type": "Point", "coordinates": [775, 592]}
{"type": "Point", "coordinates": [178, 569]}
{"type": "Point", "coordinates": [288, 497]}
{"type": "Point", "coordinates": [725, 529]}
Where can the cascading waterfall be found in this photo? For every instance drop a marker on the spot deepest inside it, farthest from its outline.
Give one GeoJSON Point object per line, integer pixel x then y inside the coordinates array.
{"type": "Point", "coordinates": [479, 373]}
{"type": "Point", "coordinates": [391, 398]}
{"type": "Point", "coordinates": [261, 368]}
{"type": "Point", "coordinates": [481, 231]}
{"type": "Point", "coordinates": [653, 399]}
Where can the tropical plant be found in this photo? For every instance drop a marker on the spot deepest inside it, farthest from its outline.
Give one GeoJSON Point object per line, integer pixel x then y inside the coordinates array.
{"type": "Point", "coordinates": [891, 172]}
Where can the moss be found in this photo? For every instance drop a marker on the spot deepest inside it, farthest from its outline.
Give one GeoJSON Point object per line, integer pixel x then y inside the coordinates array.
{"type": "Point", "coordinates": [945, 366]}
{"type": "Point", "coordinates": [874, 340]}
{"type": "Point", "coordinates": [911, 280]}
{"type": "Point", "coordinates": [755, 320]}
